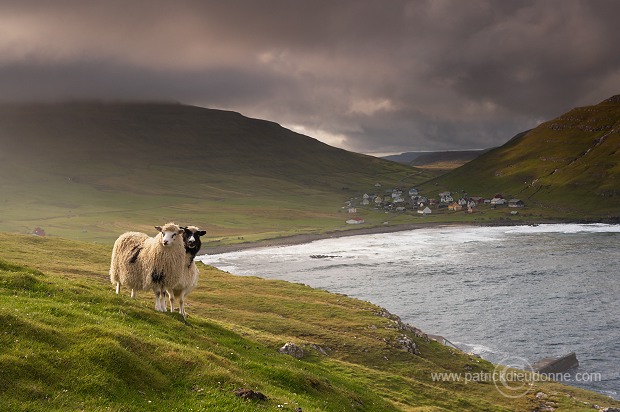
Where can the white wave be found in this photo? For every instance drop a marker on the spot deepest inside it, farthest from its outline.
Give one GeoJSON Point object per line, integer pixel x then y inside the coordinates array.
{"type": "Point", "coordinates": [567, 228]}
{"type": "Point", "coordinates": [474, 348]}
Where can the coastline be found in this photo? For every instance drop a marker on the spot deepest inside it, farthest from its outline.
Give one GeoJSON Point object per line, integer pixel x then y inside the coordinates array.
{"type": "Point", "coordinates": [307, 238]}
{"type": "Point", "coordinates": [335, 234]}
{"type": "Point", "coordinates": [302, 238]}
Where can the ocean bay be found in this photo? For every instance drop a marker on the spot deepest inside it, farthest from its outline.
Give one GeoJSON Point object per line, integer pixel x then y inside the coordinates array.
{"type": "Point", "coordinates": [501, 292]}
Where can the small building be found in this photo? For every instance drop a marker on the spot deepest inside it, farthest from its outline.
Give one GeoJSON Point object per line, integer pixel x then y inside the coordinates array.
{"type": "Point", "coordinates": [352, 210]}
{"type": "Point", "coordinates": [498, 201]}
{"type": "Point", "coordinates": [355, 221]}
{"type": "Point", "coordinates": [455, 206]}
{"type": "Point", "coordinates": [516, 203]}
{"type": "Point", "coordinates": [39, 232]}
{"type": "Point", "coordinates": [413, 192]}
{"type": "Point", "coordinates": [425, 211]}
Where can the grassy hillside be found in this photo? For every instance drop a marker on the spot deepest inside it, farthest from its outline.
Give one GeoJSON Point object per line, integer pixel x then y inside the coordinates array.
{"type": "Point", "coordinates": [70, 343]}
{"type": "Point", "coordinates": [442, 161]}
{"type": "Point", "coordinates": [91, 170]}
{"type": "Point", "coordinates": [569, 166]}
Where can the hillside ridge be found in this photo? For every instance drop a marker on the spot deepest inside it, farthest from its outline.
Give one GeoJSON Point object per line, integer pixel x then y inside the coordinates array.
{"type": "Point", "coordinates": [78, 169]}
{"type": "Point", "coordinates": [570, 163]}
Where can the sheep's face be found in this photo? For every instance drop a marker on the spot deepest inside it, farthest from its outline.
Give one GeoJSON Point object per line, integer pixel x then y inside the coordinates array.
{"type": "Point", "coordinates": [191, 236]}
{"type": "Point", "coordinates": [168, 237]}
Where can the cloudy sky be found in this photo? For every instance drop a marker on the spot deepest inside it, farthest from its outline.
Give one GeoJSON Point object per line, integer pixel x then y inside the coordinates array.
{"type": "Point", "coordinates": [373, 76]}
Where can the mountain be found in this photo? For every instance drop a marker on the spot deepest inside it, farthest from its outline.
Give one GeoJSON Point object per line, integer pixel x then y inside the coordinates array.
{"type": "Point", "coordinates": [88, 170]}
{"type": "Point", "coordinates": [568, 166]}
{"type": "Point", "coordinates": [446, 160]}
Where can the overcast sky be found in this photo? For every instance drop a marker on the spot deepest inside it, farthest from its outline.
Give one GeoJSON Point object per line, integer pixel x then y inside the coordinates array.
{"type": "Point", "coordinates": [373, 76]}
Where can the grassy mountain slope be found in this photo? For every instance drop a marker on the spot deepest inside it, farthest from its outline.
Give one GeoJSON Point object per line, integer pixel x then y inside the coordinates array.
{"type": "Point", "coordinates": [446, 160]}
{"type": "Point", "coordinates": [70, 343]}
{"type": "Point", "coordinates": [92, 170]}
{"type": "Point", "coordinates": [569, 165]}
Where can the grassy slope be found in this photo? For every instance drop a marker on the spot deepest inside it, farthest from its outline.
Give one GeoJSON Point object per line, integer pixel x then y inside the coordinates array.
{"type": "Point", "coordinates": [442, 161]}
{"type": "Point", "coordinates": [567, 167]}
{"type": "Point", "coordinates": [89, 171]}
{"type": "Point", "coordinates": [69, 343]}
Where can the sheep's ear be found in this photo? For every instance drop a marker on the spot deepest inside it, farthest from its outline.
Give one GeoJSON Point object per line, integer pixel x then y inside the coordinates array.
{"type": "Point", "coordinates": [201, 232]}
{"type": "Point", "coordinates": [181, 231]}
{"type": "Point", "coordinates": [158, 228]}
{"type": "Point", "coordinates": [183, 227]}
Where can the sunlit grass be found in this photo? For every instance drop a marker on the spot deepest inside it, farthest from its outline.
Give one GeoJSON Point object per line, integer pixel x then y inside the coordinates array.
{"type": "Point", "coordinates": [70, 343]}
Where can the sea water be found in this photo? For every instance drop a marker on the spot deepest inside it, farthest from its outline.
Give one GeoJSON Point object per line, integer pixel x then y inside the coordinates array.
{"type": "Point", "coordinates": [525, 292]}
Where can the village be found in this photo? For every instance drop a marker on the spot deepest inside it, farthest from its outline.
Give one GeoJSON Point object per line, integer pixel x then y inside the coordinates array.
{"type": "Point", "coordinates": [398, 200]}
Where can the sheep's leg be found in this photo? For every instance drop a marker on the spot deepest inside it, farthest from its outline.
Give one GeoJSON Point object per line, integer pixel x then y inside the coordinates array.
{"type": "Point", "coordinates": [182, 306]}
{"type": "Point", "coordinates": [171, 298]}
{"type": "Point", "coordinates": [118, 287]}
{"type": "Point", "coordinates": [157, 300]}
{"type": "Point", "coordinates": [162, 301]}
{"type": "Point", "coordinates": [133, 293]}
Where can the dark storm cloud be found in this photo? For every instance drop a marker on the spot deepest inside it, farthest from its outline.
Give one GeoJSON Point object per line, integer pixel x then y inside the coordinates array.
{"type": "Point", "coordinates": [371, 76]}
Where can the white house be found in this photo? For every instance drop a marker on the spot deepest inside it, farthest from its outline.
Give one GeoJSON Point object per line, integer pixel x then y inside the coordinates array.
{"type": "Point", "coordinates": [425, 211]}
{"type": "Point", "coordinates": [396, 194]}
{"type": "Point", "coordinates": [498, 201]}
{"type": "Point", "coordinates": [355, 221]}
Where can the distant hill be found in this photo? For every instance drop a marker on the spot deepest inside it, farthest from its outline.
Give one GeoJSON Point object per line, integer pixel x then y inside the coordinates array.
{"type": "Point", "coordinates": [90, 170]}
{"type": "Point", "coordinates": [568, 165]}
{"type": "Point", "coordinates": [450, 159]}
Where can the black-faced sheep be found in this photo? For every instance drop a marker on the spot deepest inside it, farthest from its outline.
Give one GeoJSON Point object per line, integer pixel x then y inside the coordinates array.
{"type": "Point", "coordinates": [141, 262]}
{"type": "Point", "coordinates": [189, 280]}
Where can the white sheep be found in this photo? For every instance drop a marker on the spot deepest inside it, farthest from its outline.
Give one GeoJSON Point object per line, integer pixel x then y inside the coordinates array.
{"type": "Point", "coordinates": [141, 262]}
{"type": "Point", "coordinates": [124, 266]}
{"type": "Point", "coordinates": [189, 280]}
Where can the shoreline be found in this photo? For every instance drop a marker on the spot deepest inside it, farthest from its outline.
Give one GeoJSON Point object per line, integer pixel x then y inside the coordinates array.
{"type": "Point", "coordinates": [336, 234]}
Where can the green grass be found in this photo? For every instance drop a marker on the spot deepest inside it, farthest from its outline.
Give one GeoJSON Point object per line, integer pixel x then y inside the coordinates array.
{"type": "Point", "coordinates": [68, 342]}
{"type": "Point", "coordinates": [91, 171]}
{"type": "Point", "coordinates": [567, 167]}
